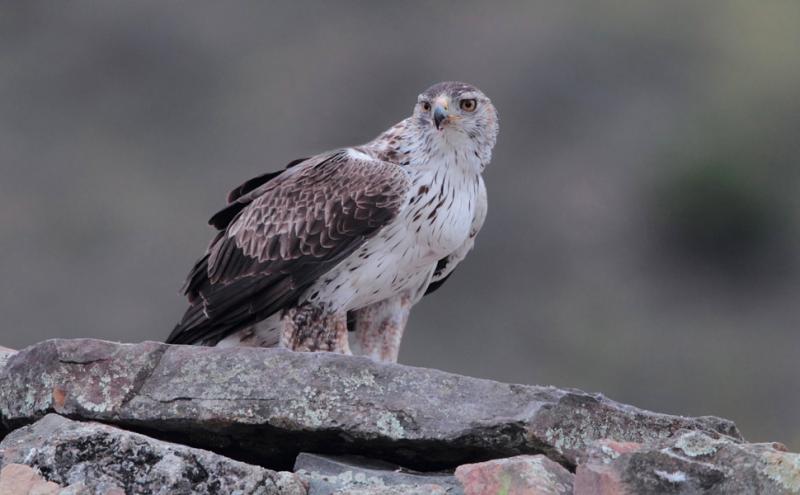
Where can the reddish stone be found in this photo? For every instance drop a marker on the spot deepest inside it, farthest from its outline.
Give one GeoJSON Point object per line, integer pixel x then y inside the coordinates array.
{"type": "Point", "coordinates": [689, 462]}
{"type": "Point", "coordinates": [19, 479]}
{"type": "Point", "coordinates": [520, 475]}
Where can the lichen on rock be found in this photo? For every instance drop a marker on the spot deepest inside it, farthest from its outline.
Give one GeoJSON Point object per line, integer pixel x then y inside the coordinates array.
{"type": "Point", "coordinates": [103, 457]}
{"type": "Point", "coordinates": [156, 418]}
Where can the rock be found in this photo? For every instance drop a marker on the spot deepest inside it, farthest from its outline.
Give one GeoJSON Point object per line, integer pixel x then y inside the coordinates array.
{"type": "Point", "coordinates": [355, 474]}
{"type": "Point", "coordinates": [689, 463]}
{"type": "Point", "coordinates": [394, 490]}
{"type": "Point", "coordinates": [19, 479]}
{"type": "Point", "coordinates": [267, 405]}
{"type": "Point", "coordinates": [108, 460]}
{"type": "Point", "coordinates": [520, 475]}
{"type": "Point", "coordinates": [5, 355]}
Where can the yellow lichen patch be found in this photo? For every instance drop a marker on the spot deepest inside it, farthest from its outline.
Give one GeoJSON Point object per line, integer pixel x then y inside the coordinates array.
{"type": "Point", "coordinates": [389, 425]}
{"type": "Point", "coordinates": [782, 468]}
{"type": "Point", "coordinates": [696, 444]}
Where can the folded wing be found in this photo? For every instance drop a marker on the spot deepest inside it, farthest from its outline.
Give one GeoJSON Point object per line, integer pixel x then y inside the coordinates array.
{"type": "Point", "coordinates": [282, 232]}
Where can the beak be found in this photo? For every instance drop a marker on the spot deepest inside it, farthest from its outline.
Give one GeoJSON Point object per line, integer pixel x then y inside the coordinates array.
{"type": "Point", "coordinates": [439, 116]}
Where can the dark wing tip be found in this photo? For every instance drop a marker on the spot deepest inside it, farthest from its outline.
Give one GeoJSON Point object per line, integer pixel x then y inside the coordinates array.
{"type": "Point", "coordinates": [441, 266]}
{"type": "Point", "coordinates": [259, 181]}
{"type": "Point", "coordinates": [251, 184]}
{"type": "Point", "coordinates": [223, 218]}
{"type": "Point", "coordinates": [434, 286]}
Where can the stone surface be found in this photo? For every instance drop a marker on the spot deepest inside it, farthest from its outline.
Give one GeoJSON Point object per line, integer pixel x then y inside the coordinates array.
{"type": "Point", "coordinates": [267, 405]}
{"type": "Point", "coordinates": [691, 462]}
{"type": "Point", "coordinates": [394, 490]}
{"type": "Point", "coordinates": [19, 479]}
{"type": "Point", "coordinates": [519, 475]}
{"type": "Point", "coordinates": [353, 474]}
{"type": "Point", "coordinates": [106, 459]}
{"type": "Point", "coordinates": [5, 355]}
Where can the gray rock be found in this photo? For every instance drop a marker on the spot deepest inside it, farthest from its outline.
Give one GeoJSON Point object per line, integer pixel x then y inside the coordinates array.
{"type": "Point", "coordinates": [339, 474]}
{"type": "Point", "coordinates": [267, 405]}
{"type": "Point", "coordinates": [105, 459]}
{"type": "Point", "coordinates": [691, 462]}
{"type": "Point", "coordinates": [392, 490]}
{"type": "Point", "coordinates": [5, 355]}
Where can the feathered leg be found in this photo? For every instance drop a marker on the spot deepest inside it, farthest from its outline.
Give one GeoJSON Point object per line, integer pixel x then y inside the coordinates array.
{"type": "Point", "coordinates": [310, 327]}
{"type": "Point", "coordinates": [379, 328]}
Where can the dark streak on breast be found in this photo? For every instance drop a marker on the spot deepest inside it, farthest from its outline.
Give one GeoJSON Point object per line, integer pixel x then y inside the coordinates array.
{"type": "Point", "coordinates": [436, 208]}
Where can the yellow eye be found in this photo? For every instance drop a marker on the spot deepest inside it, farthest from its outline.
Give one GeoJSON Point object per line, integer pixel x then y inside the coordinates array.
{"type": "Point", "coordinates": [426, 105]}
{"type": "Point", "coordinates": [468, 105]}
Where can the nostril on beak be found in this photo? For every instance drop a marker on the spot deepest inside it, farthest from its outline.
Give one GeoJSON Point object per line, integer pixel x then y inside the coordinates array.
{"type": "Point", "coordinates": [439, 115]}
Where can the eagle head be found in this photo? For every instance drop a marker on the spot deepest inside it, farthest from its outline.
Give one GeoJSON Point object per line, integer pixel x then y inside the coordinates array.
{"type": "Point", "coordinates": [459, 114]}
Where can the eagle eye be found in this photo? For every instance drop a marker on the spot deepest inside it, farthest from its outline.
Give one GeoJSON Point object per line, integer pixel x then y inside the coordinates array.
{"type": "Point", "coordinates": [468, 105]}
{"type": "Point", "coordinates": [426, 105]}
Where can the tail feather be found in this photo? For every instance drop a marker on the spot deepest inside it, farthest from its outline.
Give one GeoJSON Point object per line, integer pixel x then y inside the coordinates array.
{"type": "Point", "coordinates": [231, 311]}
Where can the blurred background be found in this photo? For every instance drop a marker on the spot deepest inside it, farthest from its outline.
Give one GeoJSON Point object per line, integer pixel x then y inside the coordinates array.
{"type": "Point", "coordinates": [643, 237]}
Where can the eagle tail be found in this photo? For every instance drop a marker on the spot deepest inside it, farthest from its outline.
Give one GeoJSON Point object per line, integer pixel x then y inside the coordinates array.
{"type": "Point", "coordinates": [230, 311]}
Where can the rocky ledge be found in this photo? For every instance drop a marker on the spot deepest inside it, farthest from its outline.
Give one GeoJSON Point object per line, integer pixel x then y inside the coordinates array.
{"type": "Point", "coordinates": [89, 416]}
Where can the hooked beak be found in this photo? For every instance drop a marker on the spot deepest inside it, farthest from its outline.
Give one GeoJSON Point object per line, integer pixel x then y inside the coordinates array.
{"type": "Point", "coordinates": [439, 116]}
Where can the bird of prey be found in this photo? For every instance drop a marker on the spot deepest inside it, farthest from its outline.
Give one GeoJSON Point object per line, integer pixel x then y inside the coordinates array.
{"type": "Point", "coordinates": [348, 238]}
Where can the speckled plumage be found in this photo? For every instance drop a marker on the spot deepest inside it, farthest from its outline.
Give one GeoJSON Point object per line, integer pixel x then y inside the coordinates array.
{"type": "Point", "coordinates": [357, 230]}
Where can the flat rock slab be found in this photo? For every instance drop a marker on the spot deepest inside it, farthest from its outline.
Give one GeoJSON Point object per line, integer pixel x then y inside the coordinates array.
{"type": "Point", "coordinates": [689, 463]}
{"type": "Point", "coordinates": [393, 490]}
{"type": "Point", "coordinates": [345, 474]}
{"type": "Point", "coordinates": [268, 405]}
{"type": "Point", "coordinates": [520, 475]}
{"type": "Point", "coordinates": [105, 459]}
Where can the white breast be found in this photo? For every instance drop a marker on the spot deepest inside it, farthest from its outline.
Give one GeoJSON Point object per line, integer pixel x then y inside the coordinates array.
{"type": "Point", "coordinates": [435, 222]}
{"type": "Point", "coordinates": [440, 211]}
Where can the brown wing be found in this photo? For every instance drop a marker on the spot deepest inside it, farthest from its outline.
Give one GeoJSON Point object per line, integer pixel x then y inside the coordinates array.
{"type": "Point", "coordinates": [241, 196]}
{"type": "Point", "coordinates": [290, 231]}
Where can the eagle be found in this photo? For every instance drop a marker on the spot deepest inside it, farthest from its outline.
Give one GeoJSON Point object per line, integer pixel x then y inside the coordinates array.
{"type": "Point", "coordinates": [347, 240]}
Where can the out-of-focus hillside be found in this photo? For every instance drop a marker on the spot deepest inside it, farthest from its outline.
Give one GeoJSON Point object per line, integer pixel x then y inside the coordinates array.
{"type": "Point", "coordinates": [643, 237]}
